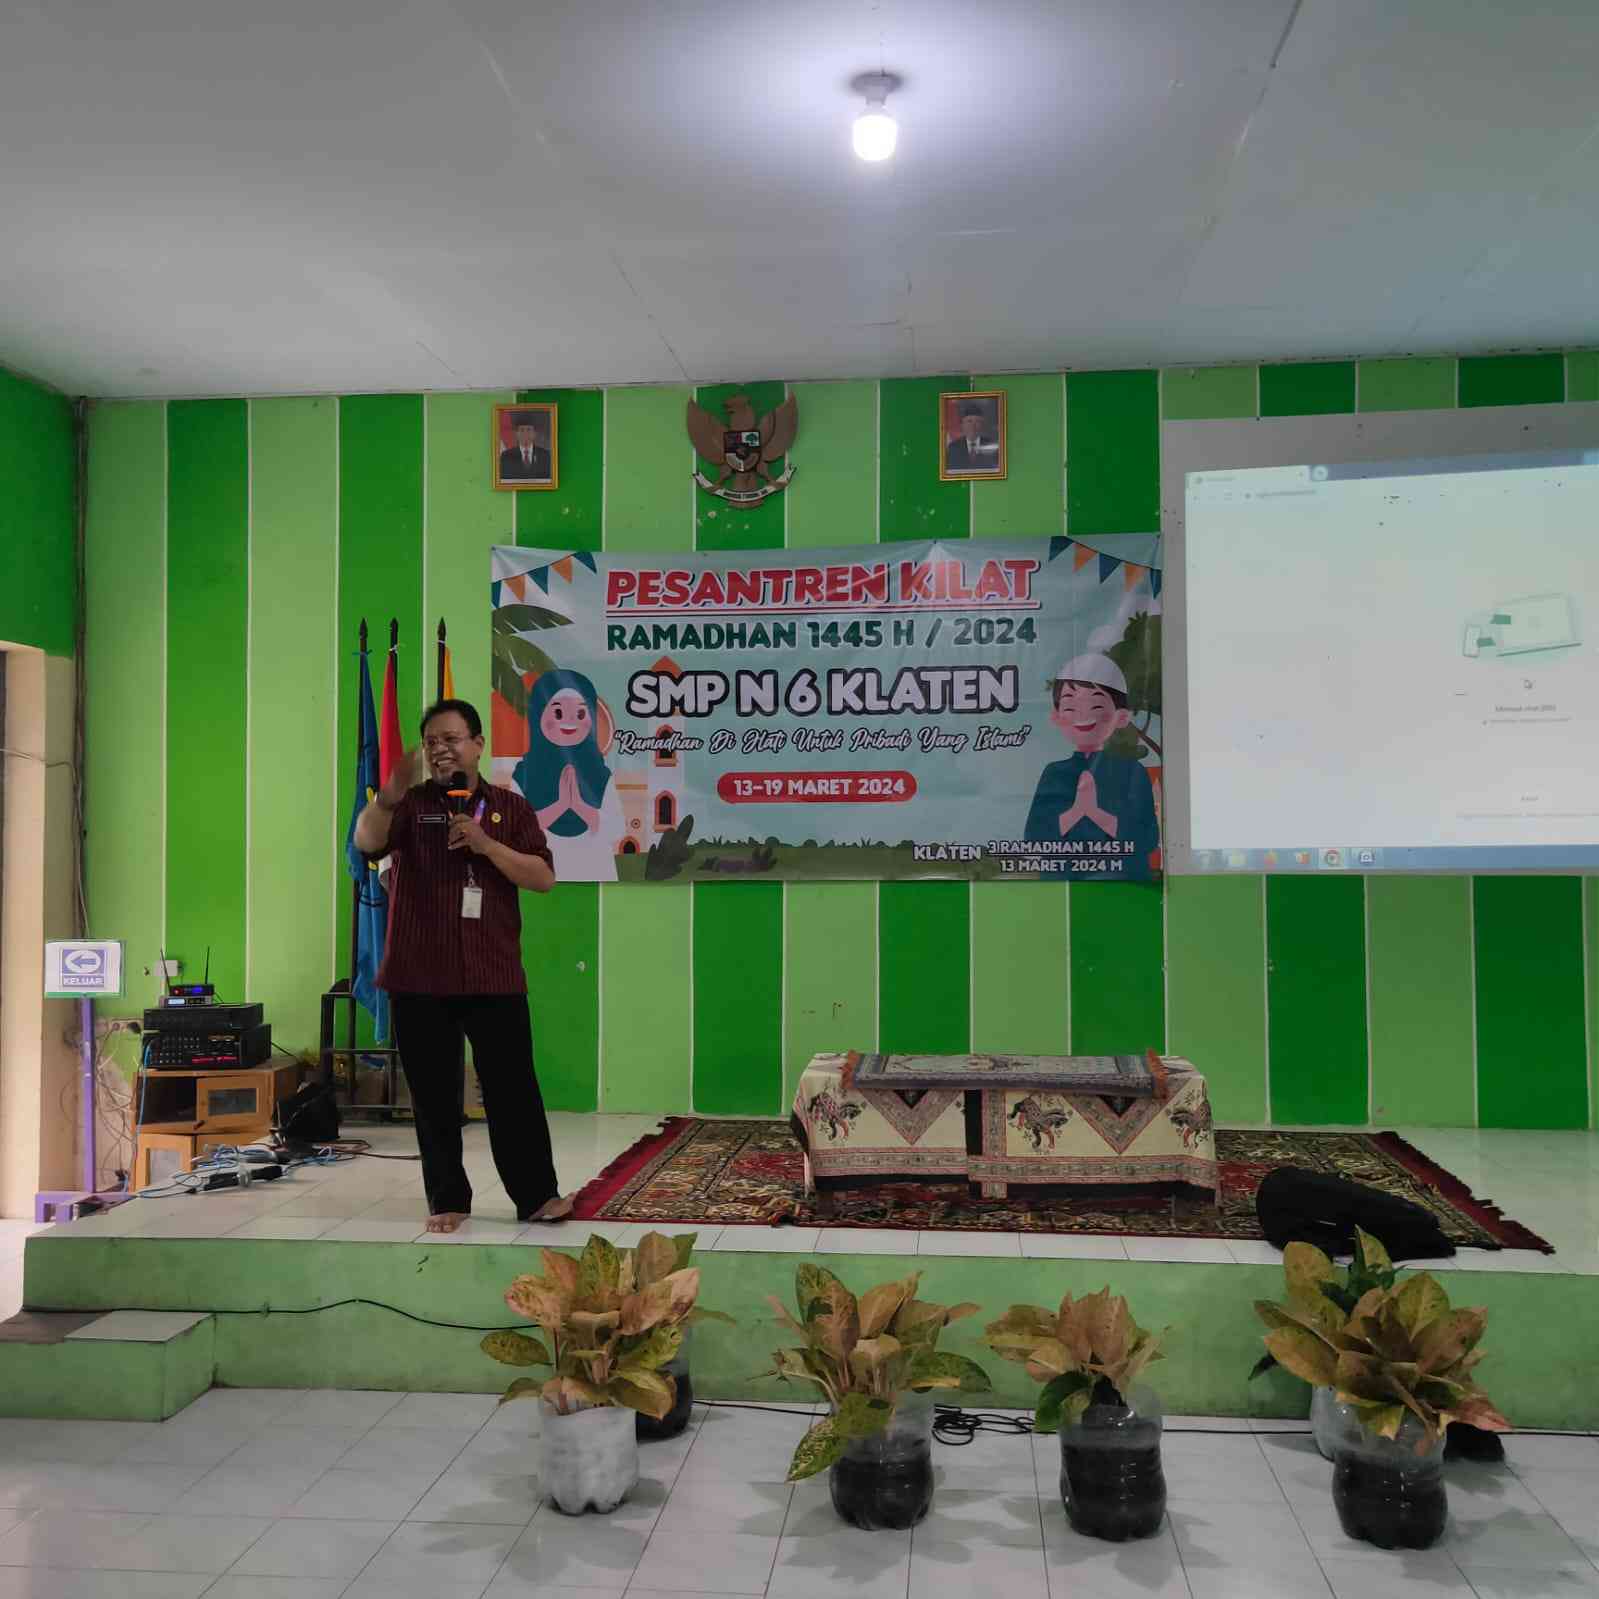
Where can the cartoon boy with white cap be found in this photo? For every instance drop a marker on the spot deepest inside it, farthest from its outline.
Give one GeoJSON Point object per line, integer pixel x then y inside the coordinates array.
{"type": "Point", "coordinates": [1091, 797]}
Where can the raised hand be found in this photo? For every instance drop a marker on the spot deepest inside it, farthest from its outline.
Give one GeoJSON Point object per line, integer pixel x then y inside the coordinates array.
{"type": "Point", "coordinates": [408, 772]}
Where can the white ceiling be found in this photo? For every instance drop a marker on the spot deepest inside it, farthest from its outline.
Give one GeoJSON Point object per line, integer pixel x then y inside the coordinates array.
{"type": "Point", "coordinates": [206, 196]}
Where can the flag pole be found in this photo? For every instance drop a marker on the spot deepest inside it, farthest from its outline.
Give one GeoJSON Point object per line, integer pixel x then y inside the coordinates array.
{"type": "Point", "coordinates": [394, 645]}
{"type": "Point", "coordinates": [441, 655]}
{"type": "Point", "coordinates": [355, 889]}
{"type": "Point", "coordinates": [394, 648]}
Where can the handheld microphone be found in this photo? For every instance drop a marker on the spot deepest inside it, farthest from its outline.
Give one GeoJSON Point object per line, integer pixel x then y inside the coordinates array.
{"type": "Point", "coordinates": [458, 790]}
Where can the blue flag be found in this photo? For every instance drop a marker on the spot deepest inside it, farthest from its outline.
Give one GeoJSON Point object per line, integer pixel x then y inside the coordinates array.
{"type": "Point", "coordinates": [373, 911]}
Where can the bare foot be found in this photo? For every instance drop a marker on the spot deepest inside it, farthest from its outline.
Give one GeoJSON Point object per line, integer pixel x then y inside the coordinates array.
{"type": "Point", "coordinates": [446, 1221]}
{"type": "Point", "coordinates": [557, 1209]}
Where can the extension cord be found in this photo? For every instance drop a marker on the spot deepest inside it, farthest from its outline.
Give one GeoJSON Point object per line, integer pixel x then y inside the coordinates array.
{"type": "Point", "coordinates": [238, 1177]}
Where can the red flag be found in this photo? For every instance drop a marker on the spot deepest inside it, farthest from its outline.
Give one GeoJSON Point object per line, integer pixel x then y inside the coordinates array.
{"type": "Point", "coordinates": [390, 743]}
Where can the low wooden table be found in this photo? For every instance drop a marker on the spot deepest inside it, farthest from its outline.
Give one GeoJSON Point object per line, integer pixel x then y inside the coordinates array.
{"type": "Point", "coordinates": [1002, 1140]}
{"type": "Point", "coordinates": [181, 1115]}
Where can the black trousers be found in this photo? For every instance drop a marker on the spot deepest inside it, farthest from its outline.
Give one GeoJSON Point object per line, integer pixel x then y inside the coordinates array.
{"type": "Point", "coordinates": [428, 1029]}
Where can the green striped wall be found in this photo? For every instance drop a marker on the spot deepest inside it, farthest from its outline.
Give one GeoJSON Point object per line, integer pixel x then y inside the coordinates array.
{"type": "Point", "coordinates": [1591, 950]}
{"type": "Point", "coordinates": [38, 517]}
{"type": "Point", "coordinates": [830, 965]}
{"type": "Point", "coordinates": [737, 934]}
{"type": "Point", "coordinates": [1020, 952]}
{"type": "Point", "coordinates": [561, 943]}
{"type": "Point", "coordinates": [233, 545]}
{"type": "Point", "coordinates": [207, 631]}
{"type": "Point", "coordinates": [924, 963]}
{"type": "Point", "coordinates": [293, 680]}
{"type": "Point", "coordinates": [125, 695]}
{"type": "Point", "coordinates": [646, 1053]}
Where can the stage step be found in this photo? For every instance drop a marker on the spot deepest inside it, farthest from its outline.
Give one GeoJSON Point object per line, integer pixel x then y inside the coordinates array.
{"type": "Point", "coordinates": [121, 1365]}
{"type": "Point", "coordinates": [407, 1316]}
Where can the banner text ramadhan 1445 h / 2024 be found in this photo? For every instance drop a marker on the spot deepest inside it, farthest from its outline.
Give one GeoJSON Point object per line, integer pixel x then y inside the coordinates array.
{"type": "Point", "coordinates": [931, 710]}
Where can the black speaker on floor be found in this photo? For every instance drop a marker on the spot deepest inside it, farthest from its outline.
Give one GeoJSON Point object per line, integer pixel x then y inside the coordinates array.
{"type": "Point", "coordinates": [311, 1116]}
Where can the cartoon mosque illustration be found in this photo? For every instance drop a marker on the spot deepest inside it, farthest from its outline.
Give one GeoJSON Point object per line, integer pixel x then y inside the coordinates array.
{"type": "Point", "coordinates": [652, 795]}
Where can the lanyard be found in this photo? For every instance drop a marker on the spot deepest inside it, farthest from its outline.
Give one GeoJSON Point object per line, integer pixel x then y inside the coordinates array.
{"type": "Point", "coordinates": [471, 873]}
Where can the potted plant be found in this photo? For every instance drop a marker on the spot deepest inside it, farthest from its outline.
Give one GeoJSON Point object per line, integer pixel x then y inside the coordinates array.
{"type": "Point", "coordinates": [1088, 1355]}
{"type": "Point", "coordinates": [1312, 1282]}
{"type": "Point", "coordinates": [877, 1362]}
{"type": "Point", "coordinates": [655, 1259]}
{"type": "Point", "coordinates": [1399, 1367]}
{"type": "Point", "coordinates": [611, 1338]}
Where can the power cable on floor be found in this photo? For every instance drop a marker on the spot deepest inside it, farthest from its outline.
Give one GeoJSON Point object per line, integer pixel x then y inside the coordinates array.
{"type": "Point", "coordinates": [958, 1428]}
{"type": "Point", "coordinates": [765, 1410]}
{"type": "Point", "coordinates": [283, 1310]}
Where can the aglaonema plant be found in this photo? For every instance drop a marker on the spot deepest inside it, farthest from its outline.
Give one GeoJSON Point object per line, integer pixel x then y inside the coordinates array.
{"type": "Point", "coordinates": [1398, 1352]}
{"type": "Point", "coordinates": [1088, 1351]}
{"type": "Point", "coordinates": [614, 1318]}
{"type": "Point", "coordinates": [864, 1354]}
{"type": "Point", "coordinates": [1311, 1281]}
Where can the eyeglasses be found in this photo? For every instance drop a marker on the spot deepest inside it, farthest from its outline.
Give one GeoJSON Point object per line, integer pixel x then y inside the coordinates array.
{"type": "Point", "coordinates": [445, 741]}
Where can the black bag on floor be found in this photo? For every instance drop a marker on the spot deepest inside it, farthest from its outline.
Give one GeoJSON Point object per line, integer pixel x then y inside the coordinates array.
{"type": "Point", "coordinates": [1462, 1441]}
{"type": "Point", "coordinates": [1317, 1208]}
{"type": "Point", "coordinates": [311, 1116]}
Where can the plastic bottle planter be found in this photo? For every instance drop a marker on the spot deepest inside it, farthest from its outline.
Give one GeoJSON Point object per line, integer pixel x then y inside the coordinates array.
{"type": "Point", "coordinates": [590, 1458]}
{"type": "Point", "coordinates": [1111, 1481]}
{"type": "Point", "coordinates": [886, 1482]}
{"type": "Point", "coordinates": [1386, 1493]}
{"type": "Point", "coordinates": [1324, 1408]}
{"type": "Point", "coordinates": [676, 1419]}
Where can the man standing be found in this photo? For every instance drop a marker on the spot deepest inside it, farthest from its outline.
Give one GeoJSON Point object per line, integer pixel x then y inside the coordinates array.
{"type": "Point", "coordinates": [527, 461]}
{"type": "Point", "coordinates": [452, 963]}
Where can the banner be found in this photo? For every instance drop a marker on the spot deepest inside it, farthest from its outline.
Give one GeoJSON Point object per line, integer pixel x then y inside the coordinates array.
{"type": "Point", "coordinates": [986, 710]}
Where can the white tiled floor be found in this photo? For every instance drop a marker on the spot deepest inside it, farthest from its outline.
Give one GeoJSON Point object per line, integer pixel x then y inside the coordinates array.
{"type": "Point", "coordinates": [282, 1495]}
{"type": "Point", "coordinates": [277, 1495]}
{"type": "Point", "coordinates": [1548, 1181]}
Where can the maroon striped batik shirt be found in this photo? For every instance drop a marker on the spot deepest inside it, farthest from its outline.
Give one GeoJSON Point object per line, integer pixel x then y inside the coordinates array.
{"type": "Point", "coordinates": [431, 947]}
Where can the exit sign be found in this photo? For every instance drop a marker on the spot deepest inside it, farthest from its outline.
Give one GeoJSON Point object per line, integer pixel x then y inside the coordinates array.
{"type": "Point", "coordinates": [82, 968]}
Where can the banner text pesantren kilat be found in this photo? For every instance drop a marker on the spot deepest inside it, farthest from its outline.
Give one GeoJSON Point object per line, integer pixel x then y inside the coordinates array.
{"type": "Point", "coordinates": [926, 710]}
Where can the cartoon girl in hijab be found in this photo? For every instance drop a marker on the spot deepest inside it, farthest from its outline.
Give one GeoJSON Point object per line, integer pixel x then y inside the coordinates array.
{"type": "Point", "coordinates": [565, 779]}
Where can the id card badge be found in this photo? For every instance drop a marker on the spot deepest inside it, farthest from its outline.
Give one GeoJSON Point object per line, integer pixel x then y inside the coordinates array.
{"type": "Point", "coordinates": [472, 902]}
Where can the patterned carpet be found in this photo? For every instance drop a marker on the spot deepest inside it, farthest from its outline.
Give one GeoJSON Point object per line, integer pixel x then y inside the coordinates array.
{"type": "Point", "coordinates": [706, 1172]}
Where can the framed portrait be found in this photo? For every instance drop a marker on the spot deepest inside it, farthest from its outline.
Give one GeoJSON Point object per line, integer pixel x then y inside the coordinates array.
{"type": "Point", "coordinates": [526, 447]}
{"type": "Point", "coordinates": [971, 436]}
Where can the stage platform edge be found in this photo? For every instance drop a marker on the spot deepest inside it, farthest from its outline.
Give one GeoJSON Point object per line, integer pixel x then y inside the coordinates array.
{"type": "Point", "coordinates": [257, 1327]}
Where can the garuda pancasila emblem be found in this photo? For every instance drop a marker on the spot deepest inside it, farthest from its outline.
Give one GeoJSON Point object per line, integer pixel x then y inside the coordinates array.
{"type": "Point", "coordinates": [743, 448]}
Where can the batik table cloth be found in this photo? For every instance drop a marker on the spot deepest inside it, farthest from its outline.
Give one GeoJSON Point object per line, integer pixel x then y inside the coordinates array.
{"type": "Point", "coordinates": [1001, 1138]}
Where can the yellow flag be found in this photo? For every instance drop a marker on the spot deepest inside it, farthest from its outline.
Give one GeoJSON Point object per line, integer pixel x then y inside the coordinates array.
{"type": "Point", "coordinates": [449, 676]}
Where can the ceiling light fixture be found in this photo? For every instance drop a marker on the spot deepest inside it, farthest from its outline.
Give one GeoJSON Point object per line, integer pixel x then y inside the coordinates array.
{"type": "Point", "coordinates": [875, 133]}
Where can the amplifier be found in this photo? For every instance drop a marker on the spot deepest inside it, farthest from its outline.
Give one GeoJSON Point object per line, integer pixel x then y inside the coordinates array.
{"type": "Point", "coordinates": [223, 1050]}
{"type": "Point", "coordinates": [202, 1018]}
